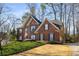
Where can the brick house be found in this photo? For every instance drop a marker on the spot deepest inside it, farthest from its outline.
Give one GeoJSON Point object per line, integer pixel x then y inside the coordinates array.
{"type": "Point", "coordinates": [33, 29]}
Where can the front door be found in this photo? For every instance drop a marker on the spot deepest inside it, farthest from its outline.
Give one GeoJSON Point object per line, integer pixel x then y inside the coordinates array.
{"type": "Point", "coordinates": [41, 37]}
{"type": "Point", "coordinates": [51, 36]}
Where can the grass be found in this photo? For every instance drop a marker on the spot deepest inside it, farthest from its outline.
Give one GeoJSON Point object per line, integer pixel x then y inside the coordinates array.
{"type": "Point", "coordinates": [16, 47]}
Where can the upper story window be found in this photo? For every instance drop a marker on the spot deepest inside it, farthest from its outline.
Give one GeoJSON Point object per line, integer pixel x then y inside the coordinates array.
{"type": "Point", "coordinates": [46, 26]}
{"type": "Point", "coordinates": [32, 28]}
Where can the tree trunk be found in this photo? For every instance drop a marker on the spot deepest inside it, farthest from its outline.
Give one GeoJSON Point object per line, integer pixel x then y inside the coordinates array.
{"type": "Point", "coordinates": [73, 19]}
{"type": "Point", "coordinates": [65, 18]}
{"type": "Point", "coordinates": [54, 11]}
{"type": "Point", "coordinates": [61, 4]}
{"type": "Point", "coordinates": [1, 48]}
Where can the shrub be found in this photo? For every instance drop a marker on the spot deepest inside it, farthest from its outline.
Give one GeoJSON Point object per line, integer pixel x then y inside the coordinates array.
{"type": "Point", "coordinates": [70, 41]}
{"type": "Point", "coordinates": [12, 37]}
{"type": "Point", "coordinates": [70, 38]}
{"type": "Point", "coordinates": [52, 42]}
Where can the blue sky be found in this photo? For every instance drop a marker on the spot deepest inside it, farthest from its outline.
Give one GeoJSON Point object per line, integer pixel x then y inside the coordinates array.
{"type": "Point", "coordinates": [17, 9]}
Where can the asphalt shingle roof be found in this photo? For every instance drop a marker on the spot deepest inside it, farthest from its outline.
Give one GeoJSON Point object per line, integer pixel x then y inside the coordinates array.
{"type": "Point", "coordinates": [36, 19]}
{"type": "Point", "coordinates": [56, 22]}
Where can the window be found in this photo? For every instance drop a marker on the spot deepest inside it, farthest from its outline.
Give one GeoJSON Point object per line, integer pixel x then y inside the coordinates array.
{"type": "Point", "coordinates": [20, 38]}
{"type": "Point", "coordinates": [32, 36]}
{"type": "Point", "coordinates": [32, 28]}
{"type": "Point", "coordinates": [51, 36]}
{"type": "Point", "coordinates": [46, 26]}
{"type": "Point", "coordinates": [26, 30]}
{"type": "Point", "coordinates": [41, 37]}
{"type": "Point", "coordinates": [20, 30]}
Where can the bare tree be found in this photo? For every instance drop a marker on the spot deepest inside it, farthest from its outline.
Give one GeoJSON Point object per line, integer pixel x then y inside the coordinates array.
{"type": "Point", "coordinates": [73, 19]}
{"type": "Point", "coordinates": [31, 7]}
{"type": "Point", "coordinates": [3, 20]}
{"type": "Point", "coordinates": [61, 5]}
{"type": "Point", "coordinates": [54, 9]}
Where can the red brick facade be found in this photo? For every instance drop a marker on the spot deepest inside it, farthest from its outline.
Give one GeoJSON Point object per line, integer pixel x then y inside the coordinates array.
{"type": "Point", "coordinates": [40, 31]}
{"type": "Point", "coordinates": [51, 29]}
{"type": "Point", "coordinates": [32, 23]}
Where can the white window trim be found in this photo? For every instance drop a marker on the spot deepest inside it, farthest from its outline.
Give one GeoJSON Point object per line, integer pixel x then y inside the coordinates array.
{"type": "Point", "coordinates": [41, 37]}
{"type": "Point", "coordinates": [26, 30]}
{"type": "Point", "coordinates": [33, 37]}
{"type": "Point", "coordinates": [32, 27]}
{"type": "Point", "coordinates": [20, 38]}
{"type": "Point", "coordinates": [51, 36]}
{"type": "Point", "coordinates": [46, 26]}
{"type": "Point", "coordinates": [20, 30]}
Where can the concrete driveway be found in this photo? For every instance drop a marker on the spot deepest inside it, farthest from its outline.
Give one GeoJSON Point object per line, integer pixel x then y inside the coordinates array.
{"type": "Point", "coordinates": [75, 48]}
{"type": "Point", "coordinates": [48, 50]}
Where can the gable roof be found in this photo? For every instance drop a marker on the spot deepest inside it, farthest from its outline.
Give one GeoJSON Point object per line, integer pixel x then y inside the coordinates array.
{"type": "Point", "coordinates": [27, 20]}
{"type": "Point", "coordinates": [43, 23]}
{"type": "Point", "coordinates": [56, 22]}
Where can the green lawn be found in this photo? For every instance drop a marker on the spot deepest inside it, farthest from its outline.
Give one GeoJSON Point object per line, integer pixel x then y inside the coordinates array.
{"type": "Point", "coordinates": [16, 47]}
